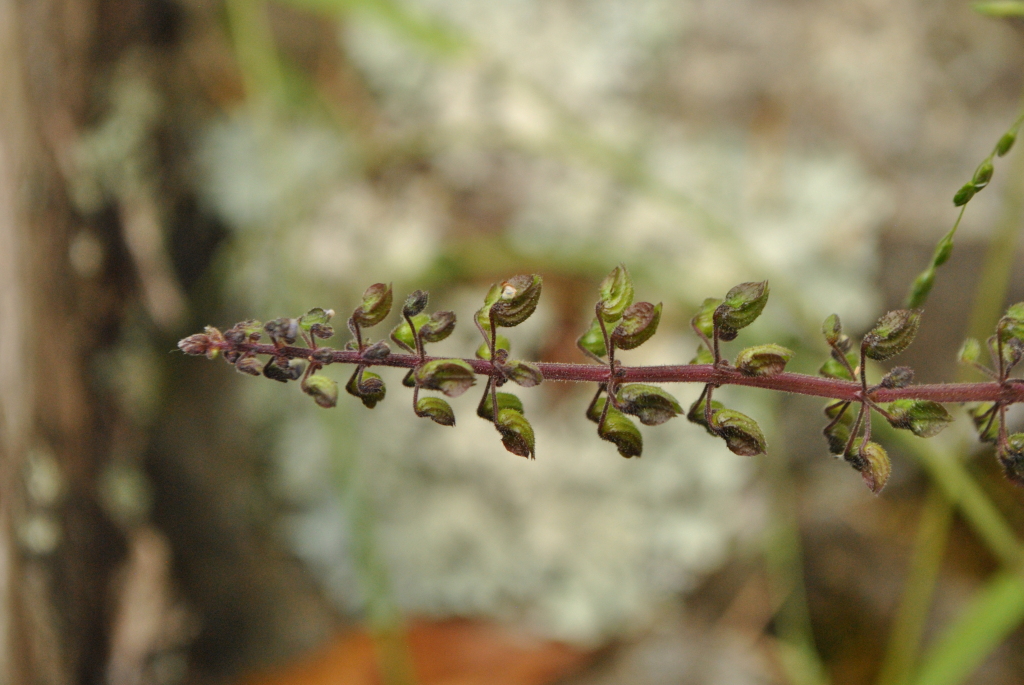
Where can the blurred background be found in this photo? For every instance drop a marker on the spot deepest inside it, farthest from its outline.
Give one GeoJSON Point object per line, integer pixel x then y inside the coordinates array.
{"type": "Point", "coordinates": [168, 164]}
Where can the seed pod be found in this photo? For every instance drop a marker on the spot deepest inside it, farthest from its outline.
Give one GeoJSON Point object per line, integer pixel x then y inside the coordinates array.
{"type": "Point", "coordinates": [970, 352]}
{"type": "Point", "coordinates": [984, 423]}
{"type": "Point", "coordinates": [438, 327]}
{"type": "Point", "coordinates": [703, 320]}
{"type": "Point", "coordinates": [377, 351]}
{"type": "Point", "coordinates": [741, 307]}
{"type": "Point", "coordinates": [521, 373]}
{"type": "Point", "coordinates": [832, 329]}
{"type": "Point", "coordinates": [376, 305]}
{"type": "Point", "coordinates": [402, 333]}
{"type": "Point", "coordinates": [323, 390]}
{"type": "Point", "coordinates": [517, 300]}
{"type": "Point", "coordinates": [921, 287]}
{"type": "Point", "coordinates": [898, 377]}
{"type": "Point", "coordinates": [923, 418]}
{"type": "Point", "coordinates": [616, 293]}
{"type": "Point", "coordinates": [763, 360]}
{"type": "Point", "coordinates": [500, 343]}
{"type": "Point", "coordinates": [282, 370]}
{"type": "Point", "coordinates": [370, 390]}
{"type": "Point", "coordinates": [1011, 457]}
{"type": "Point", "coordinates": [249, 365]}
{"type": "Point", "coordinates": [983, 175]}
{"type": "Point", "coordinates": [415, 303]}
{"type": "Point", "coordinates": [652, 405]}
{"type": "Point", "coordinates": [838, 434]}
{"type": "Point", "coordinates": [892, 334]}
{"type": "Point", "coordinates": [1005, 143]}
{"type": "Point", "coordinates": [833, 368]}
{"type": "Point", "coordinates": [593, 341]}
{"type": "Point", "coordinates": [873, 463]}
{"type": "Point", "coordinates": [282, 331]}
{"type": "Point", "coordinates": [516, 433]}
{"type": "Point", "coordinates": [696, 414]}
{"type": "Point", "coordinates": [620, 430]}
{"type": "Point", "coordinates": [741, 433]}
{"type": "Point", "coordinates": [506, 400]}
{"type": "Point", "coordinates": [943, 250]}
{"type": "Point", "coordinates": [451, 376]}
{"type": "Point", "coordinates": [639, 322]}
{"type": "Point", "coordinates": [436, 409]}
{"type": "Point", "coordinates": [323, 355]}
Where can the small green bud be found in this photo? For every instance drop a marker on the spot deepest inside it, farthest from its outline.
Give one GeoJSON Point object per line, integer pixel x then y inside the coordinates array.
{"type": "Point", "coordinates": [984, 423]}
{"type": "Point", "coordinates": [741, 433]}
{"type": "Point", "coordinates": [415, 303]}
{"type": "Point", "coordinates": [506, 400]}
{"type": "Point", "coordinates": [437, 409]}
{"type": "Point", "coordinates": [451, 376]}
{"type": "Point", "coordinates": [763, 360]}
{"type": "Point", "coordinates": [282, 370]}
{"type": "Point", "coordinates": [983, 175]}
{"type": "Point", "coordinates": [620, 430]}
{"type": "Point", "coordinates": [377, 301]}
{"type": "Point", "coordinates": [438, 327]}
{"type": "Point", "coordinates": [970, 352]}
{"type": "Point", "coordinates": [873, 463]}
{"type": "Point", "coordinates": [616, 294]}
{"type": "Point", "coordinates": [741, 307]}
{"type": "Point", "coordinates": [517, 300]}
{"type": "Point", "coordinates": [323, 390]}
{"type": "Point", "coordinates": [832, 329]}
{"type": "Point", "coordinates": [639, 322]}
{"type": "Point", "coordinates": [370, 390]}
{"type": "Point", "coordinates": [516, 432]}
{"type": "Point", "coordinates": [943, 250]}
{"type": "Point", "coordinates": [652, 405]}
{"type": "Point", "coordinates": [964, 195]}
{"type": "Point", "coordinates": [402, 333]}
{"type": "Point", "coordinates": [377, 351]}
{"type": "Point", "coordinates": [898, 377]}
{"type": "Point", "coordinates": [249, 365]}
{"type": "Point", "coordinates": [593, 340]}
{"type": "Point", "coordinates": [521, 373]}
{"type": "Point", "coordinates": [1005, 143]}
{"type": "Point", "coordinates": [892, 334]}
{"type": "Point", "coordinates": [500, 343]}
{"type": "Point", "coordinates": [703, 321]}
{"type": "Point", "coordinates": [923, 418]}
{"type": "Point", "coordinates": [1011, 457]}
{"type": "Point", "coordinates": [833, 368]}
{"type": "Point", "coordinates": [921, 288]}
{"type": "Point", "coordinates": [696, 414]}
{"type": "Point", "coordinates": [704, 356]}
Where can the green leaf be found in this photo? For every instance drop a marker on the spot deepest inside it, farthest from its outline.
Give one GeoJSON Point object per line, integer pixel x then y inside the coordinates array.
{"type": "Point", "coordinates": [763, 360]}
{"type": "Point", "coordinates": [521, 373]}
{"type": "Point", "coordinates": [741, 307]}
{"type": "Point", "coordinates": [696, 414]}
{"type": "Point", "coordinates": [639, 322]}
{"type": "Point", "coordinates": [506, 400]}
{"type": "Point", "coordinates": [741, 433]}
{"type": "Point", "coordinates": [897, 377]}
{"type": "Point", "coordinates": [892, 334]}
{"type": "Point", "coordinates": [402, 333]}
{"type": "Point", "coordinates": [323, 390]}
{"type": "Point", "coordinates": [593, 340]}
{"type": "Point", "coordinates": [314, 316]}
{"type": "Point", "coordinates": [500, 343]}
{"type": "Point", "coordinates": [516, 432]}
{"type": "Point", "coordinates": [703, 320]}
{"type": "Point", "coordinates": [371, 390]}
{"type": "Point", "coordinates": [415, 303]}
{"type": "Point", "coordinates": [376, 305]}
{"type": "Point", "coordinates": [451, 376]}
{"type": "Point", "coordinates": [833, 368]}
{"type": "Point", "coordinates": [616, 293]}
{"type": "Point", "coordinates": [652, 405]}
{"type": "Point", "coordinates": [704, 355]}
{"type": "Point", "coordinates": [923, 418]}
{"type": "Point", "coordinates": [436, 409]}
{"type": "Point", "coordinates": [619, 429]}
{"type": "Point", "coordinates": [438, 327]}
{"type": "Point", "coordinates": [517, 300]}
